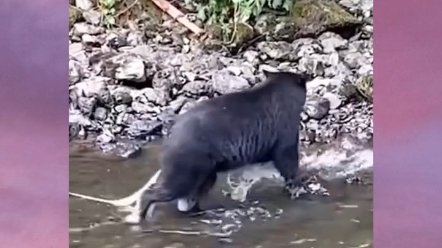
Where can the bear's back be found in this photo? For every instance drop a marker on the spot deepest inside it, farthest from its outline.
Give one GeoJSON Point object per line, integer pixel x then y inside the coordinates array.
{"type": "Point", "coordinates": [241, 127]}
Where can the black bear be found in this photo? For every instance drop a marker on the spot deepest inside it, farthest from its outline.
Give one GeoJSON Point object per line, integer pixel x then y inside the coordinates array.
{"type": "Point", "coordinates": [257, 125]}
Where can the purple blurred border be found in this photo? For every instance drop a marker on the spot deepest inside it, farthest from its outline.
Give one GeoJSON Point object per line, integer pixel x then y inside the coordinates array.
{"type": "Point", "coordinates": [408, 124]}
{"type": "Point", "coordinates": [34, 139]}
{"type": "Point", "coordinates": [33, 124]}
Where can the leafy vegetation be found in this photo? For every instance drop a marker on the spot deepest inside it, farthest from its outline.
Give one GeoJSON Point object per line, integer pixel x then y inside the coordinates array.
{"type": "Point", "coordinates": [229, 13]}
{"type": "Point", "coordinates": [228, 16]}
{"type": "Point", "coordinates": [108, 11]}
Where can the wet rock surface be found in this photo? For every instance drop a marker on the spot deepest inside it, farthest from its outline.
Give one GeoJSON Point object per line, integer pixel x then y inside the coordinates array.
{"type": "Point", "coordinates": [127, 85]}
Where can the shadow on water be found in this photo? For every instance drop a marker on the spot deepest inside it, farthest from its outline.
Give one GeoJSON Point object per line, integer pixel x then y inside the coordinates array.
{"type": "Point", "coordinates": [267, 219]}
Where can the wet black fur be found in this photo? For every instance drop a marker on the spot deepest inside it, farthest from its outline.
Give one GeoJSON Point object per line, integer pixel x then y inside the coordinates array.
{"type": "Point", "coordinates": [221, 134]}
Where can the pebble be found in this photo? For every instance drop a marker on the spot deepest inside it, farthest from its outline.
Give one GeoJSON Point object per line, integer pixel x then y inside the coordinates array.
{"type": "Point", "coordinates": [335, 101]}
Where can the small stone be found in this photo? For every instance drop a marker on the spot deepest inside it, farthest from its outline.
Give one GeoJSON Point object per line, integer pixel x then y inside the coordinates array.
{"type": "Point", "coordinates": [332, 42]}
{"type": "Point", "coordinates": [355, 60]}
{"type": "Point", "coordinates": [74, 130]}
{"type": "Point", "coordinates": [75, 49]}
{"type": "Point", "coordinates": [223, 82]}
{"type": "Point", "coordinates": [105, 137]}
{"type": "Point", "coordinates": [120, 108]}
{"type": "Point", "coordinates": [84, 4]}
{"type": "Point", "coordinates": [75, 74]}
{"type": "Point", "coordinates": [178, 103]}
{"type": "Point", "coordinates": [312, 65]}
{"type": "Point", "coordinates": [124, 119]}
{"type": "Point", "coordinates": [143, 128]}
{"type": "Point", "coordinates": [335, 101]}
{"type": "Point", "coordinates": [251, 56]}
{"type": "Point", "coordinates": [133, 69]}
{"type": "Point", "coordinates": [317, 107]}
{"type": "Point", "coordinates": [92, 16]}
{"type": "Point", "coordinates": [198, 87]}
{"type": "Point", "coordinates": [279, 50]}
{"type": "Point", "coordinates": [143, 108]}
{"type": "Point", "coordinates": [87, 105]}
{"type": "Point", "coordinates": [122, 96]}
{"type": "Point", "coordinates": [94, 87]}
{"type": "Point", "coordinates": [267, 68]}
{"type": "Point", "coordinates": [89, 39]}
{"type": "Point", "coordinates": [82, 28]}
{"type": "Point", "coordinates": [100, 114]}
{"type": "Point", "coordinates": [134, 38]}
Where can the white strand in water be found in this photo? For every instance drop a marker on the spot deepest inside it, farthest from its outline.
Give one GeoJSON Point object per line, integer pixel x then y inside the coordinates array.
{"type": "Point", "coordinates": [126, 202]}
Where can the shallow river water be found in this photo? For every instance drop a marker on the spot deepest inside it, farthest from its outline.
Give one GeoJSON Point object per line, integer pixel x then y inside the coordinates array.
{"type": "Point", "coordinates": [267, 219]}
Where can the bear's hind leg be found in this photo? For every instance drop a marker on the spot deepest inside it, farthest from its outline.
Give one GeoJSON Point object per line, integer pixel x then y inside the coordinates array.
{"type": "Point", "coordinates": [286, 161]}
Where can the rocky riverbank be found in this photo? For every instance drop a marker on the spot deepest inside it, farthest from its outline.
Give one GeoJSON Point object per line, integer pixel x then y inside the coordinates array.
{"type": "Point", "coordinates": [126, 85]}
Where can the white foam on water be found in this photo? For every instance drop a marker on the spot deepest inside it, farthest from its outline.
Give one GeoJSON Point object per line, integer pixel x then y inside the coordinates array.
{"type": "Point", "coordinates": [330, 164]}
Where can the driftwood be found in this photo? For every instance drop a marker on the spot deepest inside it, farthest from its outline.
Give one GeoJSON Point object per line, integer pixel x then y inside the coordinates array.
{"type": "Point", "coordinates": [177, 15]}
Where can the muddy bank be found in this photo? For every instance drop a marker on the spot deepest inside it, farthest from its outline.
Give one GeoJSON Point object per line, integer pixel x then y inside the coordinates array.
{"type": "Point", "coordinates": [341, 219]}
{"type": "Point", "coordinates": [127, 85]}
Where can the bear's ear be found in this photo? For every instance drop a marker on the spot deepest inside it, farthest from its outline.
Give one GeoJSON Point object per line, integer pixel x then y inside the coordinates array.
{"type": "Point", "coordinates": [306, 77]}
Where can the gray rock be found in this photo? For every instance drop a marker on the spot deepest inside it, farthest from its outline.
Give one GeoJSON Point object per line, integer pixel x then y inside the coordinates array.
{"type": "Point", "coordinates": [178, 103]}
{"type": "Point", "coordinates": [355, 60]}
{"type": "Point", "coordinates": [332, 42]}
{"type": "Point", "coordinates": [143, 107]}
{"type": "Point", "coordinates": [335, 101]}
{"type": "Point", "coordinates": [143, 128]}
{"type": "Point", "coordinates": [224, 82]}
{"type": "Point", "coordinates": [252, 57]}
{"type": "Point", "coordinates": [105, 137]}
{"type": "Point", "coordinates": [198, 87]}
{"type": "Point", "coordinates": [94, 87]}
{"type": "Point", "coordinates": [342, 72]}
{"type": "Point", "coordinates": [122, 96]}
{"type": "Point", "coordinates": [168, 119]}
{"type": "Point", "coordinates": [75, 74]}
{"type": "Point", "coordinates": [84, 4]}
{"type": "Point", "coordinates": [306, 50]}
{"type": "Point", "coordinates": [361, 7]}
{"type": "Point", "coordinates": [75, 48]}
{"type": "Point", "coordinates": [267, 68]}
{"type": "Point", "coordinates": [100, 114]}
{"type": "Point", "coordinates": [87, 105]}
{"type": "Point", "coordinates": [116, 40]}
{"type": "Point", "coordinates": [312, 65]}
{"type": "Point", "coordinates": [365, 70]}
{"type": "Point", "coordinates": [124, 119]}
{"type": "Point", "coordinates": [131, 68]}
{"type": "Point", "coordinates": [316, 107]}
{"type": "Point", "coordinates": [91, 40]}
{"type": "Point", "coordinates": [74, 130]}
{"type": "Point", "coordinates": [92, 16]}
{"type": "Point", "coordinates": [82, 28]}
{"type": "Point", "coordinates": [151, 95]}
{"type": "Point", "coordinates": [134, 38]}
{"type": "Point", "coordinates": [121, 108]}
{"type": "Point", "coordinates": [279, 50]}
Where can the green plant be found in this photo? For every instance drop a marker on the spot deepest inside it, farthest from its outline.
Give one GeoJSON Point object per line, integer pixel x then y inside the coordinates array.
{"type": "Point", "coordinates": [224, 13]}
{"type": "Point", "coordinates": [108, 11]}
